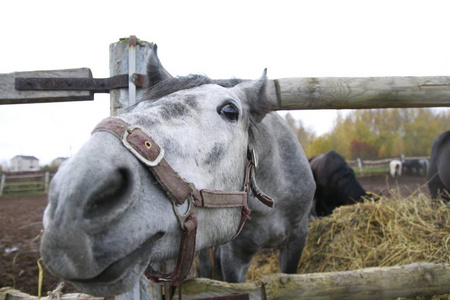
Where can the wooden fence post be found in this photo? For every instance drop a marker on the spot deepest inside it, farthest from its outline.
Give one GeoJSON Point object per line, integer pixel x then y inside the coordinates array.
{"type": "Point", "coordinates": [361, 171]}
{"type": "Point", "coordinates": [130, 56]}
{"type": "Point", "coordinates": [119, 55]}
{"type": "Point", "coordinates": [2, 184]}
{"type": "Point", "coordinates": [47, 181]}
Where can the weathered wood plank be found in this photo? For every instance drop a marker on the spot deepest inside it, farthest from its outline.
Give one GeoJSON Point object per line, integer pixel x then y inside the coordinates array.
{"type": "Point", "coordinates": [417, 279]}
{"type": "Point", "coordinates": [361, 92]}
{"type": "Point", "coordinates": [7, 293]}
{"type": "Point", "coordinates": [286, 93]}
{"type": "Point", "coordinates": [9, 94]}
{"type": "Point", "coordinates": [119, 64]}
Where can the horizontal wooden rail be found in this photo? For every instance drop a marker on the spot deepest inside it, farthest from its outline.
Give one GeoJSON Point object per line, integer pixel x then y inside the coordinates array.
{"type": "Point", "coordinates": [12, 294]}
{"type": "Point", "coordinates": [359, 92]}
{"type": "Point", "coordinates": [26, 176]}
{"type": "Point", "coordinates": [386, 160]}
{"type": "Point", "coordinates": [9, 94]}
{"type": "Point", "coordinates": [28, 183]}
{"type": "Point", "coordinates": [26, 189]}
{"type": "Point", "coordinates": [417, 279]}
{"type": "Point", "coordinates": [285, 93]}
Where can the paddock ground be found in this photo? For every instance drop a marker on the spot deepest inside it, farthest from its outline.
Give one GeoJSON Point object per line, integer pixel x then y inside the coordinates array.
{"type": "Point", "coordinates": [21, 223]}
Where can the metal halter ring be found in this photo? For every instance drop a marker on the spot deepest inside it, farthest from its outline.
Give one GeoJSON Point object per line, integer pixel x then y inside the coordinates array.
{"type": "Point", "coordinates": [190, 210]}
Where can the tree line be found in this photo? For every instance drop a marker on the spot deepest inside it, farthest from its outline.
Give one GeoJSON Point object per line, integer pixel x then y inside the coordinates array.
{"type": "Point", "coordinates": [376, 133]}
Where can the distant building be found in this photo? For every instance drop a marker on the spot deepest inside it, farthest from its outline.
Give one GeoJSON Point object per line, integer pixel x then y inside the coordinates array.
{"type": "Point", "coordinates": [23, 163]}
{"type": "Point", "coordinates": [57, 162]}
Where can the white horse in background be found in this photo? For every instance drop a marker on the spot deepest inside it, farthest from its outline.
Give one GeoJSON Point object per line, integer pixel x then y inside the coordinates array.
{"type": "Point", "coordinates": [395, 168]}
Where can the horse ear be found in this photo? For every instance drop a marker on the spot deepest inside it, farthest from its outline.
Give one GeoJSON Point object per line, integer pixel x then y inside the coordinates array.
{"type": "Point", "coordinates": [155, 71]}
{"type": "Point", "coordinates": [257, 100]}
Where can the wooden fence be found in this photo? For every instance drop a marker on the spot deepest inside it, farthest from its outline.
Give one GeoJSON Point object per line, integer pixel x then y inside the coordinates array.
{"type": "Point", "coordinates": [371, 167]}
{"type": "Point", "coordinates": [13, 183]}
{"type": "Point", "coordinates": [416, 279]}
{"type": "Point", "coordinates": [129, 57]}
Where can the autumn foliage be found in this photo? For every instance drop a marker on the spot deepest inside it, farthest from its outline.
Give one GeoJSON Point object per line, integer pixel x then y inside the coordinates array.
{"type": "Point", "coordinates": [377, 133]}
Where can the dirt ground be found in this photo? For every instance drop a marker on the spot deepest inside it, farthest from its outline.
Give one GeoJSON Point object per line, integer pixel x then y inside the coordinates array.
{"type": "Point", "coordinates": [21, 224]}
{"type": "Point", "coordinates": [385, 185]}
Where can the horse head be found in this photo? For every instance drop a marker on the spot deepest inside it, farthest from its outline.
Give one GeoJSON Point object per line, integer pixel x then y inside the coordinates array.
{"type": "Point", "coordinates": [110, 216]}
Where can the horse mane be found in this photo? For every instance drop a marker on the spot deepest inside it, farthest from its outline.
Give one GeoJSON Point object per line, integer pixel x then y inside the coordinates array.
{"type": "Point", "coordinates": [175, 84]}
{"type": "Point", "coordinates": [342, 171]}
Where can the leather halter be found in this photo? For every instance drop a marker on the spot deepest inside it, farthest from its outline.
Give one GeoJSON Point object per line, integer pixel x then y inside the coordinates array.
{"type": "Point", "coordinates": [146, 150]}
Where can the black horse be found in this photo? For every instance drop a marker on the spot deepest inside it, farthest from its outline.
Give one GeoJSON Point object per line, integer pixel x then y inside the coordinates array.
{"type": "Point", "coordinates": [336, 183]}
{"type": "Point", "coordinates": [415, 167]}
{"type": "Point", "coordinates": [439, 171]}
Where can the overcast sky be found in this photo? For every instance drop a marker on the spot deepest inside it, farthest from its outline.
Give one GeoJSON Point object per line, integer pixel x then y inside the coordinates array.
{"type": "Point", "coordinates": [221, 39]}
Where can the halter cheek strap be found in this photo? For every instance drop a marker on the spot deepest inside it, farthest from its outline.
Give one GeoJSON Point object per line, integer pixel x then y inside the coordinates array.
{"type": "Point", "coordinates": [143, 147]}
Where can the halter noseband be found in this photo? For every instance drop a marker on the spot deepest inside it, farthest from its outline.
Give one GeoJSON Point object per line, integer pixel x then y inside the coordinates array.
{"type": "Point", "coordinates": [146, 150]}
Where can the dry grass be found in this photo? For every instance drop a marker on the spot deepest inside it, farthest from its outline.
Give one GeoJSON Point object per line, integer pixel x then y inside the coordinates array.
{"type": "Point", "coordinates": [390, 232]}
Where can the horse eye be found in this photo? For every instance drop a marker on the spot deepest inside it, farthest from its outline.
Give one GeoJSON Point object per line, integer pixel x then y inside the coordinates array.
{"type": "Point", "coordinates": [230, 112]}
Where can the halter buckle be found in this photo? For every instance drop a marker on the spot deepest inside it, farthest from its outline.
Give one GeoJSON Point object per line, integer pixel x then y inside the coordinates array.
{"type": "Point", "coordinates": [150, 163]}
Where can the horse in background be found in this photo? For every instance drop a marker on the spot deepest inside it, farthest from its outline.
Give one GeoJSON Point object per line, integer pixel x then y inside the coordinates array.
{"type": "Point", "coordinates": [395, 168]}
{"type": "Point", "coordinates": [439, 171]}
{"type": "Point", "coordinates": [336, 183]}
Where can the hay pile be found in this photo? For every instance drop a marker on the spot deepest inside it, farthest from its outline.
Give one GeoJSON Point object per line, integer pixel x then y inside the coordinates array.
{"type": "Point", "coordinates": [393, 231]}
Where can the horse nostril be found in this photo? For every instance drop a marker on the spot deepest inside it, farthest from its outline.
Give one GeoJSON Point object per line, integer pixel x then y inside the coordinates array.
{"type": "Point", "coordinates": [110, 195]}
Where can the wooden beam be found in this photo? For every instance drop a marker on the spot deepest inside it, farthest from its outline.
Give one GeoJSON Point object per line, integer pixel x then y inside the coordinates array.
{"type": "Point", "coordinates": [119, 53]}
{"type": "Point", "coordinates": [359, 92]}
{"type": "Point", "coordinates": [285, 93]}
{"type": "Point", "coordinates": [12, 294]}
{"type": "Point", "coordinates": [9, 94]}
{"type": "Point", "coordinates": [417, 279]}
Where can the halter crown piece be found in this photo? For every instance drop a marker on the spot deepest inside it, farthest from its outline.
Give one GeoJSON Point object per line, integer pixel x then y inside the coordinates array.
{"type": "Point", "coordinates": [146, 150]}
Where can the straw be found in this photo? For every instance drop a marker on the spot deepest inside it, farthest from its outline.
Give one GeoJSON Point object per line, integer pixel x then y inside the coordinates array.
{"type": "Point", "coordinates": [390, 232]}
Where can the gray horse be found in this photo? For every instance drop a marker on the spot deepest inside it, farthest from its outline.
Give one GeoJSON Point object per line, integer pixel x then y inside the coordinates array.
{"type": "Point", "coordinates": [115, 207]}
